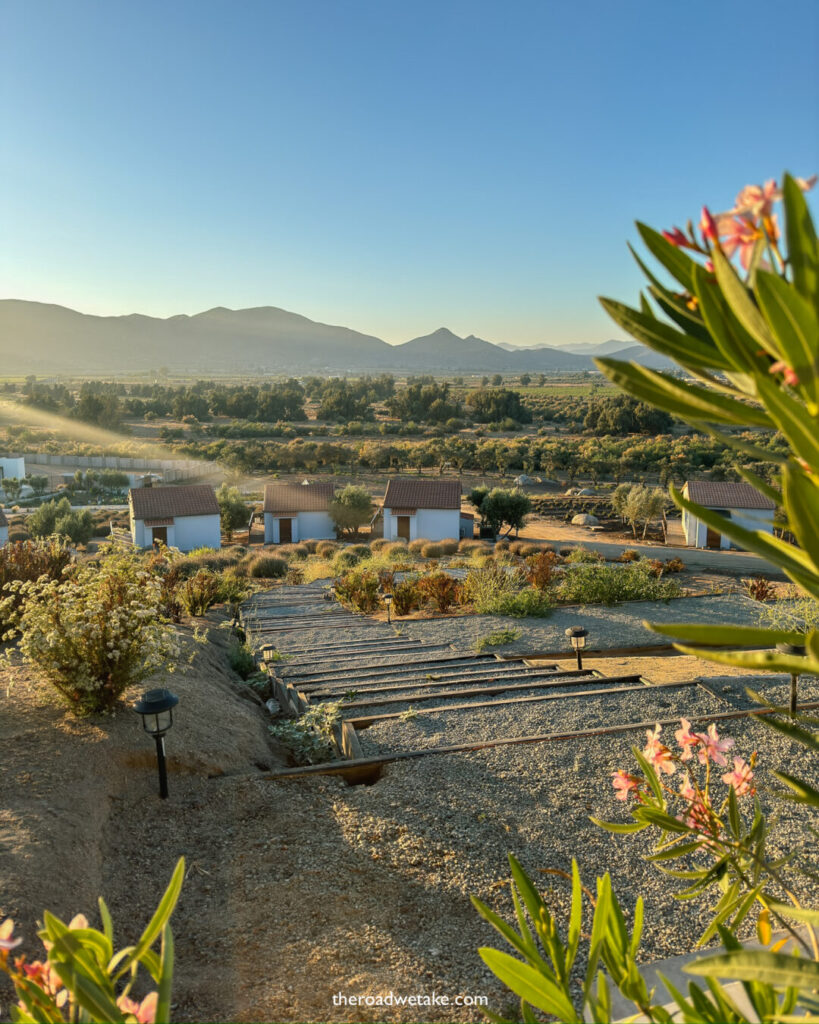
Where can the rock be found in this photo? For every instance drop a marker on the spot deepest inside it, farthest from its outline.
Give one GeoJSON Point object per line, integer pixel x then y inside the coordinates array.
{"type": "Point", "coordinates": [587, 491]}
{"type": "Point", "coordinates": [584, 519]}
{"type": "Point", "coordinates": [523, 480]}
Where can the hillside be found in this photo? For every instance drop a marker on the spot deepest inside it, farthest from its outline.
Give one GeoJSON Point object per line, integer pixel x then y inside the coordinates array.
{"type": "Point", "coordinates": [39, 338]}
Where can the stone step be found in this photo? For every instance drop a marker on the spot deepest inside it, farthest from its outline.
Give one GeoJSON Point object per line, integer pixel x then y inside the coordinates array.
{"type": "Point", "coordinates": [444, 684]}
{"type": "Point", "coordinates": [398, 667]}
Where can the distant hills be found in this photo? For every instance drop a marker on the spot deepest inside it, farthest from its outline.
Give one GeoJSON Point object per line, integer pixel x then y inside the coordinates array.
{"type": "Point", "coordinates": [46, 339]}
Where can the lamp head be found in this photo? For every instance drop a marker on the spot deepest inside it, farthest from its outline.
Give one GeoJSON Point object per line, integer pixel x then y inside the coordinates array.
{"type": "Point", "coordinates": [577, 636]}
{"type": "Point", "coordinates": [268, 653]}
{"type": "Point", "coordinates": [156, 708]}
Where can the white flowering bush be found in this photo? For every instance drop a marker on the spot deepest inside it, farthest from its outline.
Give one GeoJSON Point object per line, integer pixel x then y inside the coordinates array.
{"type": "Point", "coordinates": [94, 632]}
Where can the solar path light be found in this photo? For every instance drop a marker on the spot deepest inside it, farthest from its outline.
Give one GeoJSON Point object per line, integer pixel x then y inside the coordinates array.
{"type": "Point", "coordinates": [388, 603]}
{"type": "Point", "coordinates": [156, 708]}
{"type": "Point", "coordinates": [268, 653]}
{"type": "Point", "coordinates": [794, 651]}
{"type": "Point", "coordinates": [577, 635]}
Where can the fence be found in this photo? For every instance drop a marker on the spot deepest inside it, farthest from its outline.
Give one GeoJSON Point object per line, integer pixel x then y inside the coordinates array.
{"type": "Point", "coordinates": [171, 469]}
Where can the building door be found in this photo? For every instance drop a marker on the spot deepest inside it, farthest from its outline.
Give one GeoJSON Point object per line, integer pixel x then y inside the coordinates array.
{"type": "Point", "coordinates": [285, 531]}
{"type": "Point", "coordinates": [159, 535]}
{"type": "Point", "coordinates": [404, 527]}
{"type": "Point", "coordinates": [713, 538]}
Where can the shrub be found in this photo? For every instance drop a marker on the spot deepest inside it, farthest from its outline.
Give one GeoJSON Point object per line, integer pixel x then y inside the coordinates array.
{"type": "Point", "coordinates": [396, 551]}
{"type": "Point", "coordinates": [241, 659]}
{"type": "Point", "coordinates": [42, 521]}
{"type": "Point", "coordinates": [26, 561]}
{"type": "Point", "coordinates": [630, 555]}
{"type": "Point", "coordinates": [311, 546]}
{"type": "Point", "coordinates": [501, 545]}
{"type": "Point", "coordinates": [378, 544]}
{"type": "Point", "coordinates": [344, 560]}
{"type": "Point", "coordinates": [448, 546]}
{"type": "Point", "coordinates": [199, 592]}
{"type": "Point", "coordinates": [292, 551]}
{"type": "Point", "coordinates": [432, 551]}
{"type": "Point", "coordinates": [499, 638]}
{"type": "Point", "coordinates": [325, 548]}
{"type": "Point", "coordinates": [214, 559]}
{"type": "Point", "coordinates": [470, 545]}
{"type": "Point", "coordinates": [267, 567]}
{"type": "Point", "coordinates": [439, 588]}
{"type": "Point", "coordinates": [759, 588]}
{"type": "Point", "coordinates": [359, 591]}
{"type": "Point", "coordinates": [294, 577]}
{"type": "Point", "coordinates": [516, 547]}
{"type": "Point", "coordinates": [233, 588]}
{"type": "Point", "coordinates": [540, 568]}
{"type": "Point", "coordinates": [405, 596]}
{"type": "Point", "coordinates": [97, 631]}
{"type": "Point", "coordinates": [565, 552]}
{"type": "Point", "coordinates": [656, 567]}
{"type": "Point", "coordinates": [675, 564]}
{"type": "Point", "coordinates": [528, 602]}
{"type": "Point", "coordinates": [583, 556]}
{"type": "Point", "coordinates": [416, 546]}
{"type": "Point", "coordinates": [485, 587]}
{"type": "Point", "coordinates": [362, 550]}
{"type": "Point", "coordinates": [310, 737]}
{"type": "Point", "coordinates": [18, 535]}
{"type": "Point", "coordinates": [609, 584]}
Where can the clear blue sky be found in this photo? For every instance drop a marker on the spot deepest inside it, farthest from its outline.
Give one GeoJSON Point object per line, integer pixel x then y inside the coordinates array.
{"type": "Point", "coordinates": [391, 166]}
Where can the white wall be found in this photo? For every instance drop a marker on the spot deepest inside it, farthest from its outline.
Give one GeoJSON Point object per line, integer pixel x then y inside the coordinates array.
{"type": "Point", "coordinates": [13, 467]}
{"type": "Point", "coordinates": [304, 526]}
{"type": "Point", "coordinates": [4, 536]}
{"type": "Point", "coordinates": [185, 533]}
{"type": "Point", "coordinates": [696, 532]}
{"type": "Point", "coordinates": [427, 523]}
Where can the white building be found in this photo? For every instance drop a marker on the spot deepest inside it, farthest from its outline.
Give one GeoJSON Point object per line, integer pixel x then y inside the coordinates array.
{"type": "Point", "coordinates": [4, 529]}
{"type": "Point", "coordinates": [425, 508]}
{"type": "Point", "coordinates": [13, 467]}
{"type": "Point", "coordinates": [739, 502]}
{"type": "Point", "coordinates": [184, 517]}
{"type": "Point", "coordinates": [294, 512]}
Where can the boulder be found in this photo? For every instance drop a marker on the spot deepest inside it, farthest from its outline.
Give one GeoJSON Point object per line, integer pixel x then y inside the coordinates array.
{"type": "Point", "coordinates": [523, 480]}
{"type": "Point", "coordinates": [584, 519]}
{"type": "Point", "coordinates": [587, 490]}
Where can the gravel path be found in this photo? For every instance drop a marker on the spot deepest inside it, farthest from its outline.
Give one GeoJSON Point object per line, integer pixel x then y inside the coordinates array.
{"type": "Point", "coordinates": [529, 719]}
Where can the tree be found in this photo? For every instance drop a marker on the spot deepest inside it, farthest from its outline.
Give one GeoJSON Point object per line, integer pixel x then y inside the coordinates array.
{"type": "Point", "coordinates": [499, 506]}
{"type": "Point", "coordinates": [350, 509]}
{"type": "Point", "coordinates": [38, 484]}
{"type": "Point", "coordinates": [12, 487]}
{"type": "Point", "coordinates": [497, 380]}
{"type": "Point", "coordinates": [525, 380]}
{"type": "Point", "coordinates": [491, 405]}
{"type": "Point", "coordinates": [42, 521]}
{"type": "Point", "coordinates": [232, 509]}
{"type": "Point", "coordinates": [76, 524]}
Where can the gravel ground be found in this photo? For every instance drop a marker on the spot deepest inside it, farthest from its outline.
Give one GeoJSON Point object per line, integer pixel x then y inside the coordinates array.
{"type": "Point", "coordinates": [529, 719]}
{"type": "Point", "coordinates": [773, 688]}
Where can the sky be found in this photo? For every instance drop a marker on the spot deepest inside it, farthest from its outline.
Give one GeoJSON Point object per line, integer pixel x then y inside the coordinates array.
{"type": "Point", "coordinates": [392, 167]}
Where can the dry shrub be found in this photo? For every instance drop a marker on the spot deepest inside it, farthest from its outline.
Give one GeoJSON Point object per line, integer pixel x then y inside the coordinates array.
{"type": "Point", "coordinates": [268, 567]}
{"type": "Point", "coordinates": [379, 544]}
{"type": "Point", "coordinates": [27, 561]}
{"type": "Point", "coordinates": [440, 589]}
{"type": "Point", "coordinates": [629, 555]}
{"type": "Point", "coordinates": [469, 545]}
{"type": "Point", "coordinates": [209, 558]}
{"type": "Point", "coordinates": [293, 550]}
{"type": "Point", "coordinates": [416, 545]}
{"type": "Point", "coordinates": [449, 545]}
{"type": "Point", "coordinates": [501, 545]}
{"type": "Point", "coordinates": [200, 592]}
{"type": "Point", "coordinates": [516, 547]}
{"type": "Point", "coordinates": [759, 588]}
{"type": "Point", "coordinates": [311, 546]}
{"type": "Point", "coordinates": [539, 569]}
{"type": "Point", "coordinates": [326, 548]}
{"type": "Point", "coordinates": [656, 567]}
{"type": "Point", "coordinates": [675, 564]}
{"type": "Point", "coordinates": [432, 551]}
{"type": "Point", "coordinates": [295, 576]}
{"type": "Point", "coordinates": [18, 535]}
{"type": "Point", "coordinates": [396, 550]}
{"type": "Point", "coordinates": [359, 591]}
{"type": "Point", "coordinates": [405, 596]}
{"type": "Point", "coordinates": [527, 550]}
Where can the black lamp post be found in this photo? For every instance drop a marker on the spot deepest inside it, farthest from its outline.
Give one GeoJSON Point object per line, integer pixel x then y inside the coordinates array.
{"type": "Point", "coordinates": [156, 708]}
{"type": "Point", "coordinates": [388, 603]}
{"type": "Point", "coordinates": [577, 635]}
{"type": "Point", "coordinates": [268, 653]}
{"type": "Point", "coordinates": [794, 651]}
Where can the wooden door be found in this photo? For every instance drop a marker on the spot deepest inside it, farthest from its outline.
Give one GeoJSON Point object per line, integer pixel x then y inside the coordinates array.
{"type": "Point", "coordinates": [160, 535]}
{"type": "Point", "coordinates": [713, 538]}
{"type": "Point", "coordinates": [404, 527]}
{"type": "Point", "coordinates": [285, 531]}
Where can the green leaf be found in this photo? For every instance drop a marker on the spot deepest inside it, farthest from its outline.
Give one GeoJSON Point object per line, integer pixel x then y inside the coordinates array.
{"type": "Point", "coordinates": [796, 913]}
{"type": "Point", "coordinates": [803, 255]}
{"type": "Point", "coordinates": [725, 636]}
{"type": "Point", "coordinates": [672, 258]}
{"type": "Point", "coordinates": [778, 969]}
{"type": "Point", "coordinates": [740, 445]}
{"type": "Point", "coordinates": [682, 316]}
{"type": "Point", "coordinates": [675, 851]}
{"type": "Point", "coordinates": [661, 820]}
{"type": "Point", "coordinates": [531, 897]}
{"type": "Point", "coordinates": [107, 923]}
{"type": "Point", "coordinates": [770, 661]}
{"type": "Point", "coordinates": [663, 338]}
{"type": "Point", "coordinates": [742, 305]}
{"type": "Point", "coordinates": [735, 344]}
{"type": "Point", "coordinates": [506, 930]}
{"type": "Point", "coordinates": [575, 919]}
{"type": "Point", "coordinates": [621, 828]}
{"type": "Point", "coordinates": [89, 995]}
{"type": "Point", "coordinates": [529, 984]}
{"type": "Point", "coordinates": [680, 398]}
{"type": "Point", "coordinates": [163, 1005]}
{"type": "Point", "coordinates": [794, 324]}
{"type": "Point", "coordinates": [160, 918]}
{"type": "Point", "coordinates": [793, 419]}
{"type": "Point", "coordinates": [803, 792]}
{"type": "Point", "coordinates": [650, 774]}
{"type": "Point", "coordinates": [802, 501]}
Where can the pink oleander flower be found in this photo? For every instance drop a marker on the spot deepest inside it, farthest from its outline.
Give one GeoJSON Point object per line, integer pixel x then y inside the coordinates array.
{"type": "Point", "coordinates": [738, 234]}
{"type": "Point", "coordinates": [624, 784]}
{"type": "Point", "coordinates": [676, 237]}
{"type": "Point", "coordinates": [708, 226]}
{"type": "Point", "coordinates": [7, 941]}
{"type": "Point", "coordinates": [789, 375]}
{"type": "Point", "coordinates": [740, 777]}
{"type": "Point", "coordinates": [757, 200]}
{"type": "Point", "coordinates": [144, 1012]}
{"type": "Point", "coordinates": [712, 746]}
{"type": "Point", "coordinates": [686, 739]}
{"type": "Point", "coordinates": [657, 754]}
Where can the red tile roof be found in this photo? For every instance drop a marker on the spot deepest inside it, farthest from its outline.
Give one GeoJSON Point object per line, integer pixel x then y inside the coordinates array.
{"type": "Point", "coordinates": [413, 494]}
{"type": "Point", "coordinates": [164, 502]}
{"type": "Point", "coordinates": [722, 494]}
{"type": "Point", "coordinates": [293, 498]}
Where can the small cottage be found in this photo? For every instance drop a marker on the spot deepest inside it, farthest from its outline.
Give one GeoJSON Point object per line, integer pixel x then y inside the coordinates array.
{"type": "Point", "coordinates": [183, 517]}
{"type": "Point", "coordinates": [739, 502]}
{"type": "Point", "coordinates": [422, 508]}
{"type": "Point", "coordinates": [4, 529]}
{"type": "Point", "coordinates": [294, 512]}
{"type": "Point", "coordinates": [13, 466]}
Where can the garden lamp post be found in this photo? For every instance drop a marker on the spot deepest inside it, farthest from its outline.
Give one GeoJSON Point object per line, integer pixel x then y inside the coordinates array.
{"type": "Point", "coordinates": [794, 651]}
{"type": "Point", "coordinates": [156, 708]}
{"type": "Point", "coordinates": [577, 635]}
{"type": "Point", "coordinates": [388, 603]}
{"type": "Point", "coordinates": [268, 653]}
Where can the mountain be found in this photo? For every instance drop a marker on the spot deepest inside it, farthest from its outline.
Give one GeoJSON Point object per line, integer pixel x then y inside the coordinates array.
{"type": "Point", "coordinates": [605, 348]}
{"type": "Point", "coordinates": [46, 339]}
